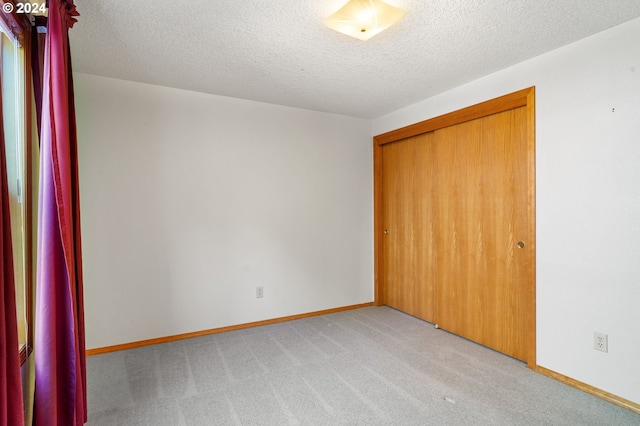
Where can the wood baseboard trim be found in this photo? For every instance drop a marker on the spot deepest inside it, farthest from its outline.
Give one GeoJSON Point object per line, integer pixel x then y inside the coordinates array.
{"type": "Point", "coordinates": [183, 336]}
{"type": "Point", "coordinates": [624, 403]}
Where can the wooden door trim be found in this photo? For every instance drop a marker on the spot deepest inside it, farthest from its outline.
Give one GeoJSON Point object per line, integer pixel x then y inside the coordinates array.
{"type": "Point", "coordinates": [522, 98]}
{"type": "Point", "coordinates": [503, 103]}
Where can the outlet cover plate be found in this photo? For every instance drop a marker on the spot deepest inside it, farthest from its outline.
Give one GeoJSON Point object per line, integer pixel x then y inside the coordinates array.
{"type": "Point", "coordinates": [600, 342]}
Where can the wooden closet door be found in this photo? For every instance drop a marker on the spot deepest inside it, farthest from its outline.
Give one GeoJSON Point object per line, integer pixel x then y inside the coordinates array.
{"type": "Point", "coordinates": [454, 205]}
{"type": "Point", "coordinates": [481, 215]}
{"type": "Point", "coordinates": [408, 240]}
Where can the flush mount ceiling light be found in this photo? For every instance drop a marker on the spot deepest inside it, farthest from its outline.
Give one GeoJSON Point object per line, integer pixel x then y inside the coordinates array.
{"type": "Point", "coordinates": [363, 19]}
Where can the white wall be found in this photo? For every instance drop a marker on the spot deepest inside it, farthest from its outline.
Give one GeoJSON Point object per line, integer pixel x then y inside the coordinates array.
{"type": "Point", "coordinates": [189, 201]}
{"type": "Point", "coordinates": [588, 199]}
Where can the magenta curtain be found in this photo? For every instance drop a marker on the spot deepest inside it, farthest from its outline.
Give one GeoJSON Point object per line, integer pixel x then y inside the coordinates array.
{"type": "Point", "coordinates": [60, 392]}
{"type": "Point", "coordinates": [11, 409]}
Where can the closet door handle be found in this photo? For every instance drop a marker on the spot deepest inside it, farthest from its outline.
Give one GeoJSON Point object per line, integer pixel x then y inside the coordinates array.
{"type": "Point", "coordinates": [521, 244]}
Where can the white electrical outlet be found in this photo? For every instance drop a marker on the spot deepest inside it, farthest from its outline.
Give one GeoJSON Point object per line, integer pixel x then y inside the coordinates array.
{"type": "Point", "coordinates": [259, 292]}
{"type": "Point", "coordinates": [600, 342]}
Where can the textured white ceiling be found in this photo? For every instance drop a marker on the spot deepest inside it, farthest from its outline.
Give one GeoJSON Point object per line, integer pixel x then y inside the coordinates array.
{"type": "Point", "coordinates": [278, 51]}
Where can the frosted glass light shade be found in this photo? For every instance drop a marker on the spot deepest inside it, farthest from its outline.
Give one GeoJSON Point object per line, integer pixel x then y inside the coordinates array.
{"type": "Point", "coordinates": [363, 19]}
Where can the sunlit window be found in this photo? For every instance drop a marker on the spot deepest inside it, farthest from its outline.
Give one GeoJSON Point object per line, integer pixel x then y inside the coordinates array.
{"type": "Point", "coordinates": [12, 66]}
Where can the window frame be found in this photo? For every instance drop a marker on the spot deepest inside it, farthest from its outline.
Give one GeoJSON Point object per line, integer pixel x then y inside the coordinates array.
{"type": "Point", "coordinates": [18, 29]}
